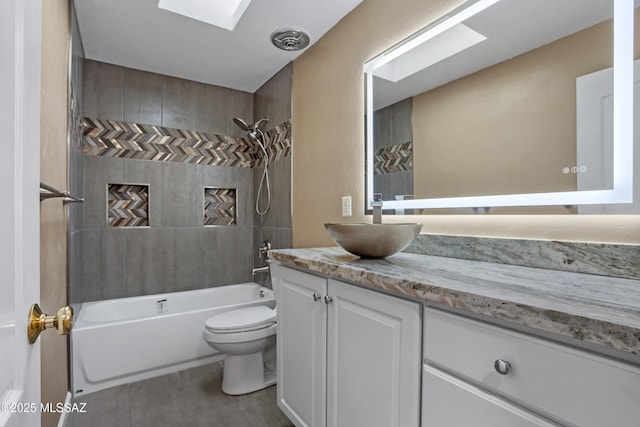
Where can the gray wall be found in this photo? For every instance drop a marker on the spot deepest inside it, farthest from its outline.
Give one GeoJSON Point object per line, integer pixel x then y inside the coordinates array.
{"type": "Point", "coordinates": [176, 252]}
{"type": "Point", "coordinates": [273, 100]}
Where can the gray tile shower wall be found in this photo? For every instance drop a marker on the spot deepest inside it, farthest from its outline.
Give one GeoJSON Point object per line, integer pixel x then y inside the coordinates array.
{"type": "Point", "coordinates": [176, 251]}
{"type": "Point", "coordinates": [273, 100]}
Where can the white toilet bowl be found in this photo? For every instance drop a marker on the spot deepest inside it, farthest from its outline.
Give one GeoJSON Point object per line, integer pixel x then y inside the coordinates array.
{"type": "Point", "coordinates": [247, 337]}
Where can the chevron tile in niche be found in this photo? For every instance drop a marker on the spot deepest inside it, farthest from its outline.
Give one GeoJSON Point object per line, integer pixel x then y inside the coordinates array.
{"type": "Point", "coordinates": [219, 206]}
{"type": "Point", "coordinates": [127, 205]}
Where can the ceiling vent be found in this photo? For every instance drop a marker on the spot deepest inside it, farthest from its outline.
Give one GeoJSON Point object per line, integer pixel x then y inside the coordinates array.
{"type": "Point", "coordinates": [289, 39]}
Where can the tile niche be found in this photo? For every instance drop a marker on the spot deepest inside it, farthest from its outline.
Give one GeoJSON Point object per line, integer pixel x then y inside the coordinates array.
{"type": "Point", "coordinates": [127, 205]}
{"type": "Point", "coordinates": [219, 206]}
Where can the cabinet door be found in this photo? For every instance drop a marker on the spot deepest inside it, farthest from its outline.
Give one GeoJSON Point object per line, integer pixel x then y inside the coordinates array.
{"type": "Point", "coordinates": [373, 359]}
{"type": "Point", "coordinates": [450, 402]}
{"type": "Point", "coordinates": [301, 347]}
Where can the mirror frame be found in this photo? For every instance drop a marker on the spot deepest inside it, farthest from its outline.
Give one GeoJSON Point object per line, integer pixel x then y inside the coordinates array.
{"type": "Point", "coordinates": [622, 191]}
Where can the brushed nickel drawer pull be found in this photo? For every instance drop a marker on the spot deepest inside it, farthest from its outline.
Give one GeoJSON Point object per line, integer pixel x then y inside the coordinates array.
{"type": "Point", "coordinates": [502, 366]}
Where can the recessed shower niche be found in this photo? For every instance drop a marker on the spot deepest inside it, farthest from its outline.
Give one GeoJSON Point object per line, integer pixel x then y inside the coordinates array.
{"type": "Point", "coordinates": [219, 206]}
{"type": "Point", "coordinates": [127, 205]}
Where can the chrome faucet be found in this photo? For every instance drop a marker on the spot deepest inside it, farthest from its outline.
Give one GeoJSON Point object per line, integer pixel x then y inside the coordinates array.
{"type": "Point", "coordinates": [263, 252]}
{"type": "Point", "coordinates": [264, 269]}
{"type": "Point", "coordinates": [376, 205]}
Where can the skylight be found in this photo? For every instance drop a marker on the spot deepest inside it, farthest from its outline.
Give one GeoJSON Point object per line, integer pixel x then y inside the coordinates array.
{"type": "Point", "coordinates": [448, 43]}
{"type": "Point", "coordinates": [221, 13]}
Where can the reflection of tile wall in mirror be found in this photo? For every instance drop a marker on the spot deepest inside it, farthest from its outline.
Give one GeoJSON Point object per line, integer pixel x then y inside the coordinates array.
{"type": "Point", "coordinates": [395, 158]}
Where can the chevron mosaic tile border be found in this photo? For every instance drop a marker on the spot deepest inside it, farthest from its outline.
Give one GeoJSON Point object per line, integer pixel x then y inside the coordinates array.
{"type": "Point", "coordinates": [117, 139]}
{"type": "Point", "coordinates": [395, 158]}
{"type": "Point", "coordinates": [219, 206]}
{"type": "Point", "coordinates": [278, 142]}
{"type": "Point", "coordinates": [127, 205]}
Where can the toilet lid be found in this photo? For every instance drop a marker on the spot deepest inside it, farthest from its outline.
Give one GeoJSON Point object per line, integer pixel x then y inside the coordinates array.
{"type": "Point", "coordinates": [242, 319]}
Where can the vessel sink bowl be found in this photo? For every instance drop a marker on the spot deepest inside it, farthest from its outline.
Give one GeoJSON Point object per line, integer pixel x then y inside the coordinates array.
{"type": "Point", "coordinates": [373, 240]}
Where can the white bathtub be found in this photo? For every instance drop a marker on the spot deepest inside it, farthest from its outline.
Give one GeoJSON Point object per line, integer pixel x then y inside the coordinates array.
{"type": "Point", "coordinates": [124, 340]}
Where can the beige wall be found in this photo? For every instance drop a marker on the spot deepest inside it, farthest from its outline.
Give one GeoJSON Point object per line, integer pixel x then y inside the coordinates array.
{"type": "Point", "coordinates": [510, 128]}
{"type": "Point", "coordinates": [53, 171]}
{"type": "Point", "coordinates": [328, 135]}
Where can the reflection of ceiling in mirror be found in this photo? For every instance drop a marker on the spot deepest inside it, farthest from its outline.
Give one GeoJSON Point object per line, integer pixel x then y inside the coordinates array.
{"type": "Point", "coordinates": [512, 27]}
{"type": "Point", "coordinates": [452, 41]}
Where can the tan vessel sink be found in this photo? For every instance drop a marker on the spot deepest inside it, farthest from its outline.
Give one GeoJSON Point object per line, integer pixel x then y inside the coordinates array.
{"type": "Point", "coordinates": [373, 240]}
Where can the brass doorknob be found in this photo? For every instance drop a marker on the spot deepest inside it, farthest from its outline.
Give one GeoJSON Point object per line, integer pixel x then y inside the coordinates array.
{"type": "Point", "coordinates": [38, 322]}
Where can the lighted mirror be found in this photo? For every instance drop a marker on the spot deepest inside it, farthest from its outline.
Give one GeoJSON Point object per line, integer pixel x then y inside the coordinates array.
{"type": "Point", "coordinates": [504, 103]}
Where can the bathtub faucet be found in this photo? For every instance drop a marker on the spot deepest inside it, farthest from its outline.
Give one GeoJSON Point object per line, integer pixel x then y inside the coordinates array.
{"type": "Point", "coordinates": [263, 252]}
{"type": "Point", "coordinates": [264, 269]}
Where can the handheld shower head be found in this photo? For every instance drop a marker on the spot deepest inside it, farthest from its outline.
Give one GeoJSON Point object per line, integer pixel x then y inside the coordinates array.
{"type": "Point", "coordinates": [245, 127]}
{"type": "Point", "coordinates": [257, 137]}
{"type": "Point", "coordinates": [260, 124]}
{"type": "Point", "coordinates": [253, 136]}
{"type": "Point", "coordinates": [241, 124]}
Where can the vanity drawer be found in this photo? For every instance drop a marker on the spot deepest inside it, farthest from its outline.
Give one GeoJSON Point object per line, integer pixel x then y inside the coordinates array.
{"type": "Point", "coordinates": [560, 382]}
{"type": "Point", "coordinates": [449, 401]}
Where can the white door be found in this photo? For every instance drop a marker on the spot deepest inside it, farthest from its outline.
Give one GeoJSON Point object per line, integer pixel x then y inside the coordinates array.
{"type": "Point", "coordinates": [594, 127]}
{"type": "Point", "coordinates": [301, 345]}
{"type": "Point", "coordinates": [20, 43]}
{"type": "Point", "coordinates": [373, 359]}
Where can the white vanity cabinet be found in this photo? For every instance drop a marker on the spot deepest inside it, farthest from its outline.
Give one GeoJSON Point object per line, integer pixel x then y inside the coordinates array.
{"type": "Point", "coordinates": [479, 374]}
{"type": "Point", "coordinates": [347, 356]}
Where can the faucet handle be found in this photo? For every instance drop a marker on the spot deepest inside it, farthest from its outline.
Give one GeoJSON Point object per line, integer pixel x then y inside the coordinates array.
{"type": "Point", "coordinates": [263, 251]}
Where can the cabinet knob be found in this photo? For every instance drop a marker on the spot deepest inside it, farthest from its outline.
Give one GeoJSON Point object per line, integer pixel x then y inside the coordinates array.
{"type": "Point", "coordinates": [327, 299]}
{"type": "Point", "coordinates": [502, 366]}
{"type": "Point", "coordinates": [316, 297]}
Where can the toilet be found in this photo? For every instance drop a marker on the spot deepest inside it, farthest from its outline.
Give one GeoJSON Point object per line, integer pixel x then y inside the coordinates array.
{"type": "Point", "coordinates": [247, 337]}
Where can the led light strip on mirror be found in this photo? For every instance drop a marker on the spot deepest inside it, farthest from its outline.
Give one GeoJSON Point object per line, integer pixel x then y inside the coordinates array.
{"type": "Point", "coordinates": [623, 78]}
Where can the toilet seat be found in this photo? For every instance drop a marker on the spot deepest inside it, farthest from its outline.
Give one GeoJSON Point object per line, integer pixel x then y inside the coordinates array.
{"type": "Point", "coordinates": [241, 320]}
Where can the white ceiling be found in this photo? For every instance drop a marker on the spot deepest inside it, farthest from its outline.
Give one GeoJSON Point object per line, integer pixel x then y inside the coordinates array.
{"type": "Point", "coordinates": [137, 34]}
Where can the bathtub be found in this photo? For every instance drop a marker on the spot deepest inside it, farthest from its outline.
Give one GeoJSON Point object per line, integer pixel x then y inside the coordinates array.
{"type": "Point", "coordinates": [124, 340]}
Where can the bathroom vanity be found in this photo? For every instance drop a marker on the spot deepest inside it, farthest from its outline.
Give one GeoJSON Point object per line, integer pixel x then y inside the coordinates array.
{"type": "Point", "coordinates": [347, 356]}
{"type": "Point", "coordinates": [418, 340]}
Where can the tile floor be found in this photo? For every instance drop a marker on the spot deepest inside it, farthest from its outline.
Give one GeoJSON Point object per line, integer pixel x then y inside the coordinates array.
{"type": "Point", "coordinates": [185, 399]}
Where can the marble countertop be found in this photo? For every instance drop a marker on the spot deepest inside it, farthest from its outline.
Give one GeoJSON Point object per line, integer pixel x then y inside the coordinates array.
{"type": "Point", "coordinates": [594, 309]}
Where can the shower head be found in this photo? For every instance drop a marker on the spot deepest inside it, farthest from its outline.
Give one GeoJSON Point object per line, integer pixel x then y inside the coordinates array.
{"type": "Point", "coordinates": [253, 136]}
{"type": "Point", "coordinates": [241, 124]}
{"type": "Point", "coordinates": [260, 124]}
{"type": "Point", "coordinates": [245, 127]}
{"type": "Point", "coordinates": [257, 137]}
